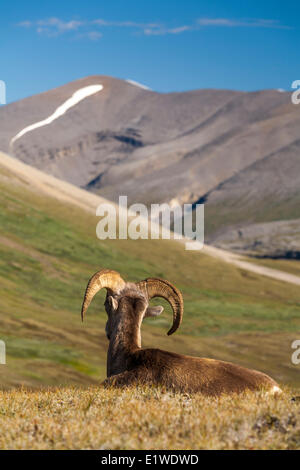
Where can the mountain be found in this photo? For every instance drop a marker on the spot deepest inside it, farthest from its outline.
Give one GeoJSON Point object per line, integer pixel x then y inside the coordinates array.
{"type": "Point", "coordinates": [48, 251]}
{"type": "Point", "coordinates": [237, 152]}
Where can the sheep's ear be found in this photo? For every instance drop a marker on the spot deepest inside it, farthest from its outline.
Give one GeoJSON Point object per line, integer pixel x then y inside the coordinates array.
{"type": "Point", "coordinates": [154, 311]}
{"type": "Point", "coordinates": [112, 302]}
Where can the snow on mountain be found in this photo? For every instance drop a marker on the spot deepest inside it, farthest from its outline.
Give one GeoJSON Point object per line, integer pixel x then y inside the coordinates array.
{"type": "Point", "coordinates": [78, 96]}
{"type": "Point", "coordinates": [140, 85]}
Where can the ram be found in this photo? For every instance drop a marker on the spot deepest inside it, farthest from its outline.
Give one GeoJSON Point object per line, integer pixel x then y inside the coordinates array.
{"type": "Point", "coordinates": [127, 304]}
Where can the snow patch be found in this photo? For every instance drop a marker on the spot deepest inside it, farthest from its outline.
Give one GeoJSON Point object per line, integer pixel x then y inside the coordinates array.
{"type": "Point", "coordinates": [78, 96]}
{"type": "Point", "coordinates": [133, 82]}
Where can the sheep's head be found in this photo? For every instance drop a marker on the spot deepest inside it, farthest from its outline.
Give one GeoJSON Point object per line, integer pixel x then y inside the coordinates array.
{"type": "Point", "coordinates": [132, 299]}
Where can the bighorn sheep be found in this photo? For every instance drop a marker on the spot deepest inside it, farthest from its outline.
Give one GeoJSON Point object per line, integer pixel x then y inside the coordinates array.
{"type": "Point", "coordinates": [127, 304]}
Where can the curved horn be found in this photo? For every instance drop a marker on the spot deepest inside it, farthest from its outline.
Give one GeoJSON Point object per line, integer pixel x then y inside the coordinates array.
{"type": "Point", "coordinates": [155, 287]}
{"type": "Point", "coordinates": [107, 278]}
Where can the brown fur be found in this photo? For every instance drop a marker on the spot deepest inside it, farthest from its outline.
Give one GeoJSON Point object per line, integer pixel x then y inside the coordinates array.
{"type": "Point", "coordinates": [129, 364]}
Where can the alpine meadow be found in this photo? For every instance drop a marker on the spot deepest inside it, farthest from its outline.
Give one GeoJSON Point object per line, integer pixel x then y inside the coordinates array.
{"type": "Point", "coordinates": [48, 250]}
{"type": "Point", "coordinates": [149, 231]}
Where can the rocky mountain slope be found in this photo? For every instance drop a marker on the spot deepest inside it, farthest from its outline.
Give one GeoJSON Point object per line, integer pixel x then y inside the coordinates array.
{"type": "Point", "coordinates": [237, 151]}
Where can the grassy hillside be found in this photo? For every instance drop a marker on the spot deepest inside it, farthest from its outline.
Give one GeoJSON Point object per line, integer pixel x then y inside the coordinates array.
{"type": "Point", "coordinates": [97, 418]}
{"type": "Point", "coordinates": [288, 265]}
{"type": "Point", "coordinates": [48, 251]}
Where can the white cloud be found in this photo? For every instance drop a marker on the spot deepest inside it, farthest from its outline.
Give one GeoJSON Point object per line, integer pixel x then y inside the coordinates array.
{"type": "Point", "coordinates": [25, 24]}
{"type": "Point", "coordinates": [92, 35]}
{"type": "Point", "coordinates": [90, 29]}
{"type": "Point", "coordinates": [128, 24]}
{"type": "Point", "coordinates": [52, 26]}
{"type": "Point", "coordinates": [179, 29]}
{"type": "Point", "coordinates": [60, 25]}
{"type": "Point", "coordinates": [231, 23]}
{"type": "Point", "coordinates": [160, 31]}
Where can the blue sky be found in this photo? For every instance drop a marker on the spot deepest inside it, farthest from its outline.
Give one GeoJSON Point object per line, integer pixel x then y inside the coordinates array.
{"type": "Point", "coordinates": [167, 45]}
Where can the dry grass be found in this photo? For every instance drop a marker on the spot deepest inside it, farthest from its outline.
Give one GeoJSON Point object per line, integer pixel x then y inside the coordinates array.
{"type": "Point", "coordinates": [97, 418]}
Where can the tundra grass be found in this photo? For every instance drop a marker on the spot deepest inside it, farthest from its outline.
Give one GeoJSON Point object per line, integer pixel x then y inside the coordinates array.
{"type": "Point", "coordinates": [291, 266]}
{"type": "Point", "coordinates": [48, 251]}
{"type": "Point", "coordinates": [145, 418]}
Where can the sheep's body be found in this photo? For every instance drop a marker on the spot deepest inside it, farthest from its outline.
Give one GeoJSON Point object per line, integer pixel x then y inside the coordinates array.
{"type": "Point", "coordinates": [127, 305]}
{"type": "Point", "coordinates": [189, 374]}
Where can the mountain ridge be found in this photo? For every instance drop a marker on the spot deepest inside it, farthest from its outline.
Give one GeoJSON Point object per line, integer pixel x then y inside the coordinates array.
{"type": "Point", "coordinates": [159, 147]}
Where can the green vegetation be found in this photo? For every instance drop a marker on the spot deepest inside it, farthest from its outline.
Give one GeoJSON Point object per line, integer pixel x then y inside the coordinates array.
{"type": "Point", "coordinates": [291, 266]}
{"type": "Point", "coordinates": [49, 250]}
